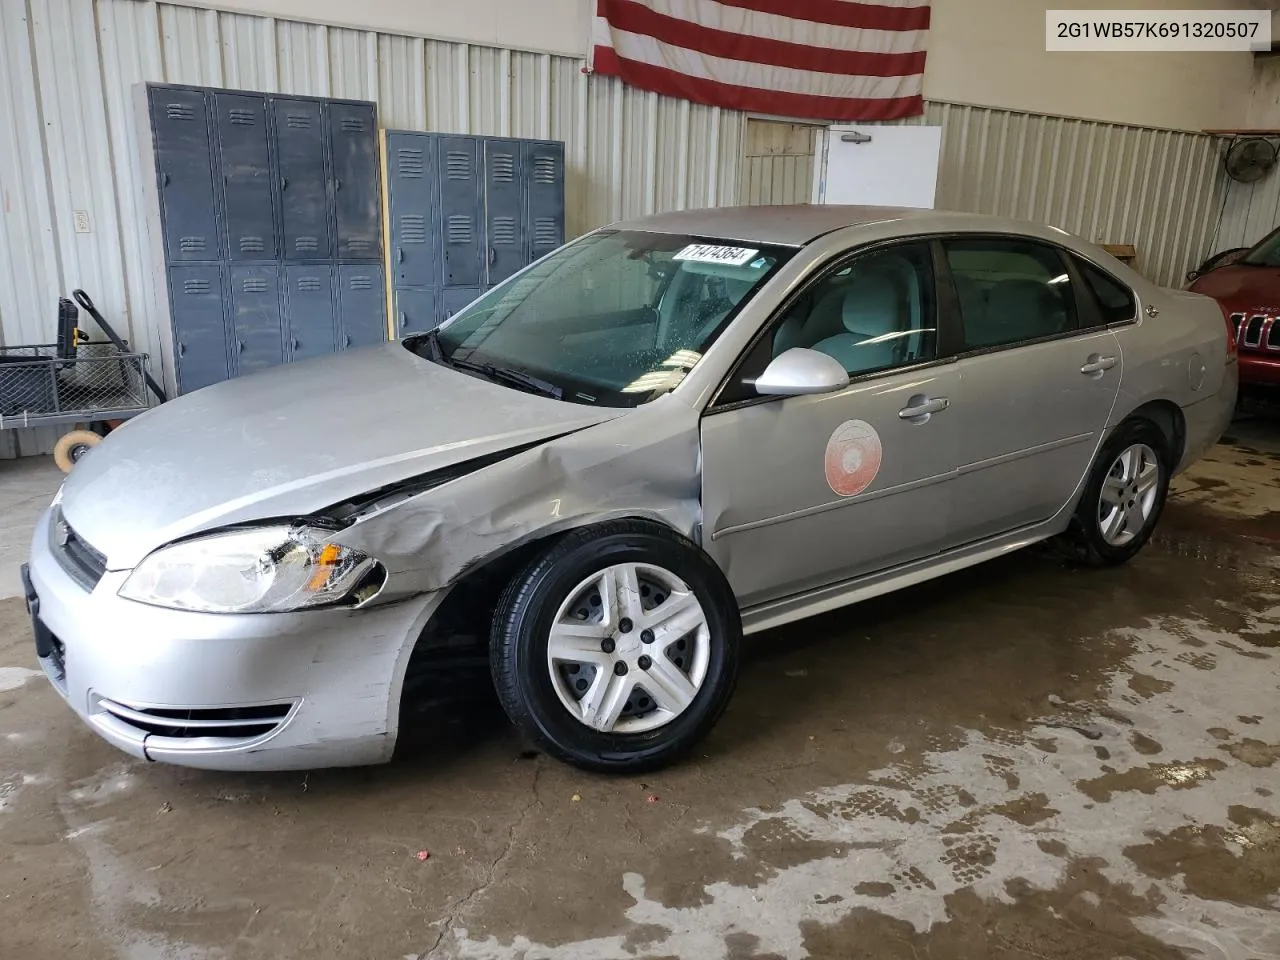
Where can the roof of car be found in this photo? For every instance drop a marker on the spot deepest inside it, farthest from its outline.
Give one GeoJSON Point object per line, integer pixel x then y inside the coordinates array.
{"type": "Point", "coordinates": [796, 225]}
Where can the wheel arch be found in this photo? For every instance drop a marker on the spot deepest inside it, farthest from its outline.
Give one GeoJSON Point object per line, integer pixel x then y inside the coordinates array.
{"type": "Point", "coordinates": [1168, 417]}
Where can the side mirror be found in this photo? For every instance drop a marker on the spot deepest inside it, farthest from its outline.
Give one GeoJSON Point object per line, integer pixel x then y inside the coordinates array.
{"type": "Point", "coordinates": [799, 372]}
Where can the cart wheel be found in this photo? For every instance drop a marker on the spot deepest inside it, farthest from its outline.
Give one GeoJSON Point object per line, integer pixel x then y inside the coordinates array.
{"type": "Point", "coordinates": [72, 446]}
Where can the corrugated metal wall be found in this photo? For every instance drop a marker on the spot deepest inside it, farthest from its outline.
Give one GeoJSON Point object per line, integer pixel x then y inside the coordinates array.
{"type": "Point", "coordinates": [1161, 190]}
{"type": "Point", "coordinates": [1251, 211]}
{"type": "Point", "coordinates": [69, 138]}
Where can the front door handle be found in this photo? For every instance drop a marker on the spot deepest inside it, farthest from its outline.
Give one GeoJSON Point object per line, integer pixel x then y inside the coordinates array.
{"type": "Point", "coordinates": [1096, 365]}
{"type": "Point", "coordinates": [921, 408]}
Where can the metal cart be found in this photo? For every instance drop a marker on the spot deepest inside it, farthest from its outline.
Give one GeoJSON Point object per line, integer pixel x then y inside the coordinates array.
{"type": "Point", "coordinates": [97, 383]}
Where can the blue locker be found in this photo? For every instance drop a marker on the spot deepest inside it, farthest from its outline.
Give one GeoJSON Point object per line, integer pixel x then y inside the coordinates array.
{"type": "Point", "coordinates": [199, 333]}
{"type": "Point", "coordinates": [453, 299]}
{"type": "Point", "coordinates": [504, 209]}
{"type": "Point", "coordinates": [312, 329]}
{"type": "Point", "coordinates": [361, 307]}
{"type": "Point", "coordinates": [247, 194]}
{"type": "Point", "coordinates": [544, 185]}
{"type": "Point", "coordinates": [184, 170]}
{"type": "Point", "coordinates": [417, 310]}
{"type": "Point", "coordinates": [460, 203]}
{"type": "Point", "coordinates": [304, 189]}
{"type": "Point", "coordinates": [353, 138]}
{"type": "Point", "coordinates": [255, 317]}
{"type": "Point", "coordinates": [414, 208]}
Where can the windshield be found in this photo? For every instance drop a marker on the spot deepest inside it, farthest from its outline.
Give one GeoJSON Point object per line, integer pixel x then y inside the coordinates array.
{"type": "Point", "coordinates": [616, 318]}
{"type": "Point", "coordinates": [1266, 253]}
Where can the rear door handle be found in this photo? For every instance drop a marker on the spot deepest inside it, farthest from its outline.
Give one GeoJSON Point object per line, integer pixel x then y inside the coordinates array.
{"type": "Point", "coordinates": [920, 408]}
{"type": "Point", "coordinates": [1096, 365]}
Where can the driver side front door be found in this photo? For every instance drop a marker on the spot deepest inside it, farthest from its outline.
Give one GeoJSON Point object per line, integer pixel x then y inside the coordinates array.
{"type": "Point", "coordinates": [802, 492]}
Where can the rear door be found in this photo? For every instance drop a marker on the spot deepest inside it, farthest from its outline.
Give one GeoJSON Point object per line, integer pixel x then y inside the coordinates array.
{"type": "Point", "coordinates": [800, 492]}
{"type": "Point", "coordinates": [1039, 372]}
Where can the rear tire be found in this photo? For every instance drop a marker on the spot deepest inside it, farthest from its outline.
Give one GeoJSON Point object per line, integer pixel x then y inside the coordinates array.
{"type": "Point", "coordinates": [1123, 497]}
{"type": "Point", "coordinates": [616, 649]}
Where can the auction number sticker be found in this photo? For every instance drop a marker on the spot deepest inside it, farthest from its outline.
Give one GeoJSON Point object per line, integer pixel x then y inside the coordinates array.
{"type": "Point", "coordinates": [853, 457]}
{"type": "Point", "coordinates": [711, 253]}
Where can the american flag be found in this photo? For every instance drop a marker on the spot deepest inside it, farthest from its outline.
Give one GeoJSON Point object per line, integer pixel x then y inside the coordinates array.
{"type": "Point", "coordinates": [820, 59]}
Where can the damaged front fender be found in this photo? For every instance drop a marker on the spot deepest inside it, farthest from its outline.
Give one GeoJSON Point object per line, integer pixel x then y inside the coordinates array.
{"type": "Point", "coordinates": [644, 464]}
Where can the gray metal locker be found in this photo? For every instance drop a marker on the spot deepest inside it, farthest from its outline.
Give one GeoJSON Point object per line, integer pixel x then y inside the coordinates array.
{"type": "Point", "coordinates": [504, 209]}
{"type": "Point", "coordinates": [417, 311]}
{"type": "Point", "coordinates": [544, 183]}
{"type": "Point", "coordinates": [200, 338]}
{"type": "Point", "coordinates": [453, 299]}
{"type": "Point", "coordinates": [304, 188]}
{"type": "Point", "coordinates": [414, 208]}
{"type": "Point", "coordinates": [361, 307]}
{"type": "Point", "coordinates": [248, 197]}
{"type": "Point", "coordinates": [353, 137]}
{"type": "Point", "coordinates": [460, 202]}
{"type": "Point", "coordinates": [184, 170]}
{"type": "Point", "coordinates": [255, 317]}
{"type": "Point", "coordinates": [311, 327]}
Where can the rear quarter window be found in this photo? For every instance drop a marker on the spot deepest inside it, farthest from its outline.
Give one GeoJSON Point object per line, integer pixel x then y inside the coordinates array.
{"type": "Point", "coordinates": [1115, 300]}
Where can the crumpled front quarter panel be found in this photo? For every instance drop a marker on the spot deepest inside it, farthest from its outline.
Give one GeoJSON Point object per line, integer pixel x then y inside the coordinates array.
{"type": "Point", "coordinates": [643, 464]}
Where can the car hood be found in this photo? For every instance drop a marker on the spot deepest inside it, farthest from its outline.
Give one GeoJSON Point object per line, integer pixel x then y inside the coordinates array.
{"type": "Point", "coordinates": [1242, 287]}
{"type": "Point", "coordinates": [293, 440]}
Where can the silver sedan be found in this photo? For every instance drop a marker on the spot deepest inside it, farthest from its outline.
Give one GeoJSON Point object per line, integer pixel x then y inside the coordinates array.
{"type": "Point", "coordinates": [666, 434]}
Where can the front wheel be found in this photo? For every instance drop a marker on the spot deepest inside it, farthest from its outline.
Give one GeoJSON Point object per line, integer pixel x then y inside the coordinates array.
{"type": "Point", "coordinates": [617, 648]}
{"type": "Point", "coordinates": [1123, 497]}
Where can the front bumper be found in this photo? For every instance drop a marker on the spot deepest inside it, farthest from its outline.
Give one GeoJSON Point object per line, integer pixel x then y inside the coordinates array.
{"type": "Point", "coordinates": [225, 691]}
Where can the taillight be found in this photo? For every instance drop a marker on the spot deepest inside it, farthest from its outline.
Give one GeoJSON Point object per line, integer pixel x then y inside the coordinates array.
{"type": "Point", "coordinates": [1233, 321]}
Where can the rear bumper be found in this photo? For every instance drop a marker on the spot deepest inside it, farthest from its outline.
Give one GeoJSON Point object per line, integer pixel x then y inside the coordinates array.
{"type": "Point", "coordinates": [1207, 420]}
{"type": "Point", "coordinates": [1259, 370]}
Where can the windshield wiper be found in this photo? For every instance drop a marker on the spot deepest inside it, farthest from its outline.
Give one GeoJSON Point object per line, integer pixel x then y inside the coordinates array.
{"type": "Point", "coordinates": [514, 378]}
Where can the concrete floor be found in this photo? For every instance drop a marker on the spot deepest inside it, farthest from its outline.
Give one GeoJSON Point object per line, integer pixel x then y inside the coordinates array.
{"type": "Point", "coordinates": [1023, 760]}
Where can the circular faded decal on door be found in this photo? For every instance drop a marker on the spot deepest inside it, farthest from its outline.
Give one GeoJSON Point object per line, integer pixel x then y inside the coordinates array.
{"type": "Point", "coordinates": [853, 457]}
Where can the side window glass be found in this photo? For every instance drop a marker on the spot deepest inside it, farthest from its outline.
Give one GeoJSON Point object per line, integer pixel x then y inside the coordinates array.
{"type": "Point", "coordinates": [1114, 299]}
{"type": "Point", "coordinates": [872, 313]}
{"type": "Point", "coordinates": [1010, 291]}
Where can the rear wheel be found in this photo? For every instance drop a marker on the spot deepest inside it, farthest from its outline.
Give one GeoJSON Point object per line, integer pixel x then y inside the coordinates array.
{"type": "Point", "coordinates": [1123, 497]}
{"type": "Point", "coordinates": [617, 648]}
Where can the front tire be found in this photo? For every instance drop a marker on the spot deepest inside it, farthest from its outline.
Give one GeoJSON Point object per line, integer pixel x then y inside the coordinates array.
{"type": "Point", "coordinates": [616, 649]}
{"type": "Point", "coordinates": [1123, 497]}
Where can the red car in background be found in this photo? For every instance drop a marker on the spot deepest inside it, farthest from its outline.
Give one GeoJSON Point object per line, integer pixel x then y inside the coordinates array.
{"type": "Point", "coordinates": [1246, 284]}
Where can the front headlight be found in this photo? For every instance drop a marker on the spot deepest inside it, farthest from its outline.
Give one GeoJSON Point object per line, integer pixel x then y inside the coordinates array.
{"type": "Point", "coordinates": [257, 570]}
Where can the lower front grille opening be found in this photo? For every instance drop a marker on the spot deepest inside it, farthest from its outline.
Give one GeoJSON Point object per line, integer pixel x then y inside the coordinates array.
{"type": "Point", "coordinates": [239, 723]}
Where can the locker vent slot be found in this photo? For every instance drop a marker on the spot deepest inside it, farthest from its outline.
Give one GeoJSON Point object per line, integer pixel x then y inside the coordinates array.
{"type": "Point", "coordinates": [546, 232]}
{"type": "Point", "coordinates": [504, 230]}
{"type": "Point", "coordinates": [503, 167]}
{"type": "Point", "coordinates": [306, 244]}
{"type": "Point", "coordinates": [544, 169]}
{"type": "Point", "coordinates": [179, 111]}
{"type": "Point", "coordinates": [241, 116]}
{"type": "Point", "coordinates": [253, 285]}
{"type": "Point", "coordinates": [410, 162]}
{"type": "Point", "coordinates": [458, 165]}
{"type": "Point", "coordinates": [309, 284]}
{"type": "Point", "coordinates": [195, 287]}
{"type": "Point", "coordinates": [352, 124]}
{"type": "Point", "coordinates": [251, 244]}
{"type": "Point", "coordinates": [356, 244]}
{"type": "Point", "coordinates": [459, 229]}
{"type": "Point", "coordinates": [190, 244]}
{"type": "Point", "coordinates": [360, 283]}
{"type": "Point", "coordinates": [298, 121]}
{"type": "Point", "coordinates": [413, 228]}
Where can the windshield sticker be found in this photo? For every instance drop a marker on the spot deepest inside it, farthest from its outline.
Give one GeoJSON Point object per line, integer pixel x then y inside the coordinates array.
{"type": "Point", "coordinates": [710, 253]}
{"type": "Point", "coordinates": [853, 457]}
